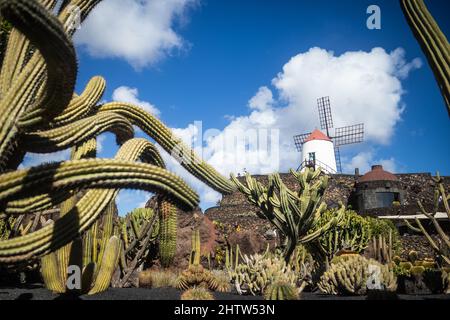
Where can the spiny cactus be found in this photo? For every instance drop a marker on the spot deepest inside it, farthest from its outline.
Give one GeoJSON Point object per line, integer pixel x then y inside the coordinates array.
{"type": "Point", "coordinates": [382, 249]}
{"type": "Point", "coordinates": [257, 272]}
{"type": "Point", "coordinates": [197, 293]}
{"type": "Point", "coordinates": [281, 290]}
{"type": "Point", "coordinates": [96, 256]}
{"type": "Point", "coordinates": [294, 214]}
{"type": "Point", "coordinates": [433, 42]}
{"type": "Point", "coordinates": [39, 112]}
{"type": "Point", "coordinates": [219, 281]}
{"type": "Point", "coordinates": [195, 275]}
{"type": "Point", "coordinates": [351, 233]}
{"type": "Point", "coordinates": [354, 274]}
{"type": "Point", "coordinates": [440, 199]}
{"type": "Point", "coordinates": [167, 232]}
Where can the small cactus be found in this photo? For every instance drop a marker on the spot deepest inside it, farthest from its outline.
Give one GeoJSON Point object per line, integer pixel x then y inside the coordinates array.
{"type": "Point", "coordinates": [281, 290]}
{"type": "Point", "coordinates": [219, 281]}
{"type": "Point", "coordinates": [197, 293]}
{"type": "Point", "coordinates": [417, 270]}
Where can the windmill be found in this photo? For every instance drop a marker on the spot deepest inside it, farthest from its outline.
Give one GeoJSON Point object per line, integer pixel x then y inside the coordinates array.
{"type": "Point", "coordinates": [322, 150]}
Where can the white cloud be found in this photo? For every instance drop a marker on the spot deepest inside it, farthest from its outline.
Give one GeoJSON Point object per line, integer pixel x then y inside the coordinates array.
{"type": "Point", "coordinates": [139, 31]}
{"type": "Point", "coordinates": [263, 100]}
{"type": "Point", "coordinates": [364, 87]}
{"type": "Point", "coordinates": [130, 95]}
{"type": "Point", "coordinates": [365, 160]}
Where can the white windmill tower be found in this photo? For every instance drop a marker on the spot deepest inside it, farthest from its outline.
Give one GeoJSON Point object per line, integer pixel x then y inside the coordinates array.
{"type": "Point", "coordinates": [322, 150]}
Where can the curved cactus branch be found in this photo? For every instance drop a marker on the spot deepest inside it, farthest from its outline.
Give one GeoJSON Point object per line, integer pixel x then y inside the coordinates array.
{"type": "Point", "coordinates": [47, 34]}
{"type": "Point", "coordinates": [433, 42]}
{"type": "Point", "coordinates": [171, 144]}
{"type": "Point", "coordinates": [94, 202]}
{"type": "Point", "coordinates": [76, 132]}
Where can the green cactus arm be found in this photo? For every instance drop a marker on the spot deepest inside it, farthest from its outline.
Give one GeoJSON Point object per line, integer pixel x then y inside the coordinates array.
{"type": "Point", "coordinates": [65, 11]}
{"type": "Point", "coordinates": [46, 33]}
{"type": "Point", "coordinates": [94, 173]}
{"type": "Point", "coordinates": [90, 206]}
{"type": "Point", "coordinates": [51, 273]}
{"type": "Point", "coordinates": [48, 200]}
{"type": "Point", "coordinates": [174, 146]}
{"type": "Point", "coordinates": [35, 115]}
{"type": "Point", "coordinates": [76, 132]}
{"type": "Point", "coordinates": [81, 105]}
{"type": "Point", "coordinates": [17, 51]}
{"type": "Point", "coordinates": [107, 266]}
{"type": "Point", "coordinates": [432, 41]}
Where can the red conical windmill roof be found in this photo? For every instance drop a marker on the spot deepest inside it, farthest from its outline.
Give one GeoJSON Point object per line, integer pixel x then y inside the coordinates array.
{"type": "Point", "coordinates": [317, 135]}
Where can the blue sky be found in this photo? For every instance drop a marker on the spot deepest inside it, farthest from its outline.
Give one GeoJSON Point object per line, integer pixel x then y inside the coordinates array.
{"type": "Point", "coordinates": [213, 57]}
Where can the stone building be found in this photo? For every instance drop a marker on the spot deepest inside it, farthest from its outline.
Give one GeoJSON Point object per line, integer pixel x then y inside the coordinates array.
{"type": "Point", "coordinates": [378, 189]}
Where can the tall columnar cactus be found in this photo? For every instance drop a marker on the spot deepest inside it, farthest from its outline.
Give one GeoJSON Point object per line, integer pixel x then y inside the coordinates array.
{"type": "Point", "coordinates": [96, 256]}
{"type": "Point", "coordinates": [441, 199]}
{"type": "Point", "coordinates": [294, 214]}
{"type": "Point", "coordinates": [167, 232]}
{"type": "Point", "coordinates": [433, 42]}
{"type": "Point", "coordinates": [352, 233]}
{"type": "Point", "coordinates": [40, 113]}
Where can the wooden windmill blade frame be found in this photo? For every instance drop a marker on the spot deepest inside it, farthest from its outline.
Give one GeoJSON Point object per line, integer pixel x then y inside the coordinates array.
{"type": "Point", "coordinates": [349, 135]}
{"type": "Point", "coordinates": [325, 116]}
{"type": "Point", "coordinates": [300, 140]}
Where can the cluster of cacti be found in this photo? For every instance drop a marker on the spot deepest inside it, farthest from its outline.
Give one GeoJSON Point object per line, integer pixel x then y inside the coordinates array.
{"type": "Point", "coordinates": [257, 272]}
{"type": "Point", "coordinates": [281, 290]}
{"type": "Point", "coordinates": [167, 232]}
{"type": "Point", "coordinates": [441, 248]}
{"type": "Point", "coordinates": [424, 273]}
{"type": "Point", "coordinates": [40, 113]}
{"type": "Point", "coordinates": [433, 42]}
{"type": "Point", "coordinates": [382, 249]}
{"type": "Point", "coordinates": [352, 233]}
{"type": "Point", "coordinates": [197, 293]}
{"type": "Point", "coordinates": [139, 232]}
{"type": "Point", "coordinates": [294, 214]}
{"type": "Point", "coordinates": [96, 256]}
{"type": "Point", "coordinates": [354, 275]}
{"type": "Point", "coordinates": [195, 275]}
{"type": "Point", "coordinates": [413, 265]}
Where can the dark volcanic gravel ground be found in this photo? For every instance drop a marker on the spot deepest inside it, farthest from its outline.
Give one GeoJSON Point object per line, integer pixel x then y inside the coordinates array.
{"type": "Point", "coordinates": [39, 293]}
